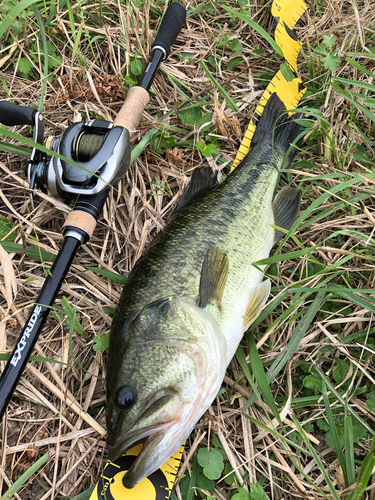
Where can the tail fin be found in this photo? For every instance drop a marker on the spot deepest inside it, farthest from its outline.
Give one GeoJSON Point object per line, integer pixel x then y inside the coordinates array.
{"type": "Point", "coordinates": [277, 126]}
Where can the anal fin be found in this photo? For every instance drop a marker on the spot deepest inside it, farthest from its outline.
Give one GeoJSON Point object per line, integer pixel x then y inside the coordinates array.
{"type": "Point", "coordinates": [257, 301]}
{"type": "Point", "coordinates": [285, 208]}
{"type": "Point", "coordinates": [213, 276]}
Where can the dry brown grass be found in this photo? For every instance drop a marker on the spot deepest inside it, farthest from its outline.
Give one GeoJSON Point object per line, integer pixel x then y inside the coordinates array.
{"type": "Point", "coordinates": [60, 408]}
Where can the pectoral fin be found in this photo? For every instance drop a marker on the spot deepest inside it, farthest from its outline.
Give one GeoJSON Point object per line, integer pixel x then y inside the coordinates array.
{"type": "Point", "coordinates": [285, 208]}
{"type": "Point", "coordinates": [257, 301]}
{"type": "Point", "coordinates": [213, 277]}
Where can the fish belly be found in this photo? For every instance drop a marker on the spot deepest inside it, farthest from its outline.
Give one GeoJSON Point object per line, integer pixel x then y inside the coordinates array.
{"type": "Point", "coordinates": [241, 284]}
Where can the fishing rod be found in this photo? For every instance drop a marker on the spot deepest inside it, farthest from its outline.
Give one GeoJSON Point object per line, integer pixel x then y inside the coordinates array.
{"type": "Point", "coordinates": [96, 156]}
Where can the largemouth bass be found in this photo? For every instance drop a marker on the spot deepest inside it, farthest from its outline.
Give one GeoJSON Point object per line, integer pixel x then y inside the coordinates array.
{"type": "Point", "coordinates": [189, 299]}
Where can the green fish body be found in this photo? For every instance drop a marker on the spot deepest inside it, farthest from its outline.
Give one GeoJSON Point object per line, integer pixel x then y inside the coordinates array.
{"type": "Point", "coordinates": [189, 299]}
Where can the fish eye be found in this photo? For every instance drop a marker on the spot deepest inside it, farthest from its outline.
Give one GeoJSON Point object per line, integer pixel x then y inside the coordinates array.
{"type": "Point", "coordinates": [125, 397]}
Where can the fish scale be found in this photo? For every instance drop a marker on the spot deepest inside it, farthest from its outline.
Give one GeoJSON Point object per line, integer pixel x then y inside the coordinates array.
{"type": "Point", "coordinates": [227, 217]}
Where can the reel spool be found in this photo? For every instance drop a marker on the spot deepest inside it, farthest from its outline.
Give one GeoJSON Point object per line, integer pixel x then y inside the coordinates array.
{"type": "Point", "coordinates": [102, 150]}
{"type": "Point", "coordinates": [86, 147]}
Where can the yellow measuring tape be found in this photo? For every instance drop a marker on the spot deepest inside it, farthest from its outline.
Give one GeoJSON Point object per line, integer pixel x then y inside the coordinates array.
{"type": "Point", "coordinates": [286, 83]}
{"type": "Point", "coordinates": [158, 486]}
{"type": "Point", "coordinates": [288, 86]}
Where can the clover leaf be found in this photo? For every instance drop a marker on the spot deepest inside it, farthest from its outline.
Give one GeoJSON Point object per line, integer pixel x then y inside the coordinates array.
{"type": "Point", "coordinates": [101, 342]}
{"type": "Point", "coordinates": [212, 463]}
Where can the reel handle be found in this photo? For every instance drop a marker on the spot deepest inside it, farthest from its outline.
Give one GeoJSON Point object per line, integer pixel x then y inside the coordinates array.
{"type": "Point", "coordinates": [13, 114]}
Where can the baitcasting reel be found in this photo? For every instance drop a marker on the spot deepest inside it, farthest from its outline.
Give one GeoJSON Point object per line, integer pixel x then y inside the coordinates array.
{"type": "Point", "coordinates": [102, 151]}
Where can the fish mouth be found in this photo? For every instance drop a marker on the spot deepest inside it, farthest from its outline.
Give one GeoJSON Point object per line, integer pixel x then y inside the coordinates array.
{"type": "Point", "coordinates": [132, 438]}
{"type": "Point", "coordinates": [145, 462]}
{"type": "Point", "coordinates": [157, 439]}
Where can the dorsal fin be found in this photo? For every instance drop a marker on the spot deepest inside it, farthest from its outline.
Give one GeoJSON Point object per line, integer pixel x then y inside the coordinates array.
{"type": "Point", "coordinates": [213, 277]}
{"type": "Point", "coordinates": [203, 178]}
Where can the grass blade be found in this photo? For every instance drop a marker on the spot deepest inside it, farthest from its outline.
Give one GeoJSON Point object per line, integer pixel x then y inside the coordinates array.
{"type": "Point", "coordinates": [141, 146]}
{"type": "Point", "coordinates": [241, 358]}
{"type": "Point", "coordinates": [296, 338]}
{"type": "Point", "coordinates": [108, 274]}
{"type": "Point", "coordinates": [364, 474]}
{"type": "Point", "coordinates": [351, 99]}
{"type": "Point", "coordinates": [360, 67]}
{"type": "Point", "coordinates": [292, 459]}
{"type": "Point", "coordinates": [25, 477]}
{"type": "Point", "coordinates": [260, 376]}
{"type": "Point", "coordinates": [275, 433]}
{"type": "Point", "coordinates": [342, 401]}
{"type": "Point", "coordinates": [193, 480]}
{"type": "Point", "coordinates": [268, 309]}
{"type": "Point", "coordinates": [74, 323]}
{"type": "Point", "coordinates": [16, 11]}
{"type": "Point", "coordinates": [334, 434]}
{"type": "Point", "coordinates": [222, 90]}
{"type": "Point", "coordinates": [13, 149]}
{"type": "Point", "coordinates": [348, 294]}
{"type": "Point", "coordinates": [17, 137]}
{"type": "Point", "coordinates": [285, 256]}
{"type": "Point", "coordinates": [71, 19]}
{"type": "Point", "coordinates": [257, 28]}
{"type": "Point", "coordinates": [363, 55]}
{"type": "Point", "coordinates": [85, 495]}
{"type": "Point", "coordinates": [77, 42]}
{"type": "Point", "coordinates": [317, 459]}
{"type": "Point", "coordinates": [34, 253]}
{"type": "Point", "coordinates": [349, 448]}
{"type": "Point", "coordinates": [362, 85]}
{"type": "Point", "coordinates": [45, 55]}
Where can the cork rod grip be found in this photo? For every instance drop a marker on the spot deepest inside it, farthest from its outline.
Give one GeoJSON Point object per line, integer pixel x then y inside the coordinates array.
{"type": "Point", "coordinates": [81, 220]}
{"type": "Point", "coordinates": [131, 112]}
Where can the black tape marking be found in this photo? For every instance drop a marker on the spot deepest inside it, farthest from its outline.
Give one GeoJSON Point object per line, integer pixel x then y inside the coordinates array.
{"type": "Point", "coordinates": [301, 87]}
{"type": "Point", "coordinates": [290, 32]}
{"type": "Point", "coordinates": [157, 478]}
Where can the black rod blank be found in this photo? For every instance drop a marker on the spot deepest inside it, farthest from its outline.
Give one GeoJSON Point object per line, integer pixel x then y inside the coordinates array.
{"type": "Point", "coordinates": [22, 351]}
